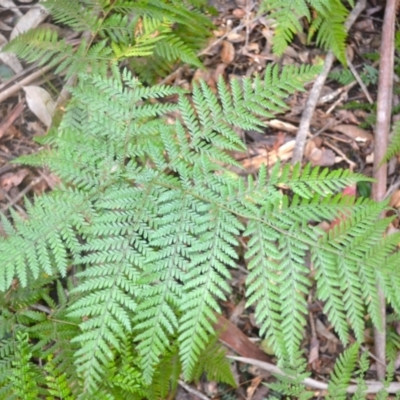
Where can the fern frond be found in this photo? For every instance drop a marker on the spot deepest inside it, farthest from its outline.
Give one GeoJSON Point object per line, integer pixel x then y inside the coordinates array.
{"type": "Point", "coordinates": [150, 215]}
{"type": "Point", "coordinates": [331, 33]}
{"type": "Point", "coordinates": [44, 247]}
{"type": "Point", "coordinates": [57, 384]}
{"type": "Point", "coordinates": [25, 378]}
{"type": "Point", "coordinates": [213, 361]}
{"type": "Point", "coordinates": [76, 14]}
{"type": "Point", "coordinates": [341, 374]}
{"type": "Point", "coordinates": [394, 145]}
{"type": "Point", "coordinates": [328, 25]}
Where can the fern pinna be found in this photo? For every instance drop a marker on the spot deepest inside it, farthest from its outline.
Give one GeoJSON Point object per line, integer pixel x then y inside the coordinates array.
{"type": "Point", "coordinates": [147, 223]}
{"type": "Point", "coordinates": [326, 20]}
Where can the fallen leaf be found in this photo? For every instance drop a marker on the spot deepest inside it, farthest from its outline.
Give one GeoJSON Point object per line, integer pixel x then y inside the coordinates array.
{"type": "Point", "coordinates": [234, 338]}
{"type": "Point", "coordinates": [395, 199]}
{"type": "Point", "coordinates": [255, 382]}
{"type": "Point", "coordinates": [325, 332]}
{"type": "Point", "coordinates": [235, 37]}
{"type": "Point", "coordinates": [11, 179]}
{"type": "Point", "coordinates": [319, 156]}
{"type": "Point", "coordinates": [40, 103]}
{"type": "Point", "coordinates": [239, 13]}
{"type": "Point", "coordinates": [279, 141]}
{"type": "Point", "coordinates": [35, 16]}
{"type": "Point", "coordinates": [314, 350]}
{"type": "Point", "coordinates": [228, 52]}
{"type": "Point", "coordinates": [354, 132]}
{"type": "Point", "coordinates": [254, 47]}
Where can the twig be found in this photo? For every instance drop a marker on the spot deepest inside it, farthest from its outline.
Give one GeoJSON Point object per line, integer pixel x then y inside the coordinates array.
{"type": "Point", "coordinates": [352, 164]}
{"type": "Point", "coordinates": [384, 107]}
{"type": "Point", "coordinates": [359, 80]}
{"type": "Point", "coordinates": [9, 198]}
{"type": "Point", "coordinates": [193, 391]}
{"type": "Point", "coordinates": [316, 91]}
{"type": "Point", "coordinates": [372, 386]}
{"type": "Point", "coordinates": [5, 94]}
{"type": "Point", "coordinates": [21, 194]}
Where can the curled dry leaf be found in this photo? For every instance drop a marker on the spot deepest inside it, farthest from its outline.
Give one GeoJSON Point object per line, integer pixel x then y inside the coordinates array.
{"type": "Point", "coordinates": [319, 156]}
{"type": "Point", "coordinates": [228, 52]}
{"type": "Point", "coordinates": [354, 132]}
{"type": "Point", "coordinates": [35, 16]}
{"type": "Point", "coordinates": [395, 199]}
{"type": "Point", "coordinates": [11, 179]}
{"type": "Point", "coordinates": [40, 103]}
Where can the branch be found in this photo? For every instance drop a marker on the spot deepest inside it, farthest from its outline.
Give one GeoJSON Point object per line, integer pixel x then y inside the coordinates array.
{"type": "Point", "coordinates": [372, 386]}
{"type": "Point", "coordinates": [316, 91]}
{"type": "Point", "coordinates": [384, 109]}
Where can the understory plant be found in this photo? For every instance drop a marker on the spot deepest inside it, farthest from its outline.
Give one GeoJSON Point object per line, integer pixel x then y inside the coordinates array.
{"type": "Point", "coordinates": [324, 21]}
{"type": "Point", "coordinates": [149, 35]}
{"type": "Point", "coordinates": [143, 233]}
{"type": "Point", "coordinates": [110, 289]}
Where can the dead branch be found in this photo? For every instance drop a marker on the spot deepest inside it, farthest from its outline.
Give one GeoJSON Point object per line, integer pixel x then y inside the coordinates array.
{"type": "Point", "coordinates": [316, 91]}
{"type": "Point", "coordinates": [383, 117]}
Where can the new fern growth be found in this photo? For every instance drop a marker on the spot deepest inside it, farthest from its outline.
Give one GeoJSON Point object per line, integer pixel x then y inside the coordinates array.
{"type": "Point", "coordinates": [147, 224]}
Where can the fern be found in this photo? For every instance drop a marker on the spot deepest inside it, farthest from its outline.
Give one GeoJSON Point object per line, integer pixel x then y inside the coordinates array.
{"type": "Point", "coordinates": [149, 217]}
{"type": "Point", "coordinates": [394, 145]}
{"type": "Point", "coordinates": [114, 36]}
{"type": "Point", "coordinates": [327, 26]}
{"type": "Point", "coordinates": [342, 373]}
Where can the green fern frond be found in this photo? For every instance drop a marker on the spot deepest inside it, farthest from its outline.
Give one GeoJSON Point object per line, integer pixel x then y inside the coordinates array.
{"type": "Point", "coordinates": [330, 31]}
{"type": "Point", "coordinates": [78, 15]}
{"type": "Point", "coordinates": [394, 145]}
{"type": "Point", "coordinates": [151, 214]}
{"type": "Point", "coordinates": [341, 374]}
{"type": "Point", "coordinates": [213, 361]}
{"type": "Point", "coordinates": [24, 376]}
{"type": "Point", "coordinates": [57, 384]}
{"type": "Point", "coordinates": [115, 36]}
{"type": "Point", "coordinates": [328, 25]}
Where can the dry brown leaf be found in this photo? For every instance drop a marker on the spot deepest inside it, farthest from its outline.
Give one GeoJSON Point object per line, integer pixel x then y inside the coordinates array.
{"type": "Point", "coordinates": [228, 52]}
{"type": "Point", "coordinates": [281, 125]}
{"type": "Point", "coordinates": [395, 199]}
{"type": "Point", "coordinates": [322, 157]}
{"type": "Point", "coordinates": [235, 37]}
{"type": "Point", "coordinates": [354, 132]}
{"type": "Point", "coordinates": [324, 332]}
{"type": "Point", "coordinates": [279, 141]}
{"type": "Point", "coordinates": [314, 350]}
{"type": "Point", "coordinates": [234, 338]}
{"type": "Point", "coordinates": [253, 47]}
{"type": "Point", "coordinates": [219, 70]}
{"type": "Point", "coordinates": [255, 382]}
{"type": "Point", "coordinates": [11, 179]}
{"type": "Point", "coordinates": [239, 13]}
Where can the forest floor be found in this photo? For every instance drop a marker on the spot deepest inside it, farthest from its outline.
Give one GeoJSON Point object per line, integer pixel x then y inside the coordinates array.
{"type": "Point", "coordinates": [340, 136]}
